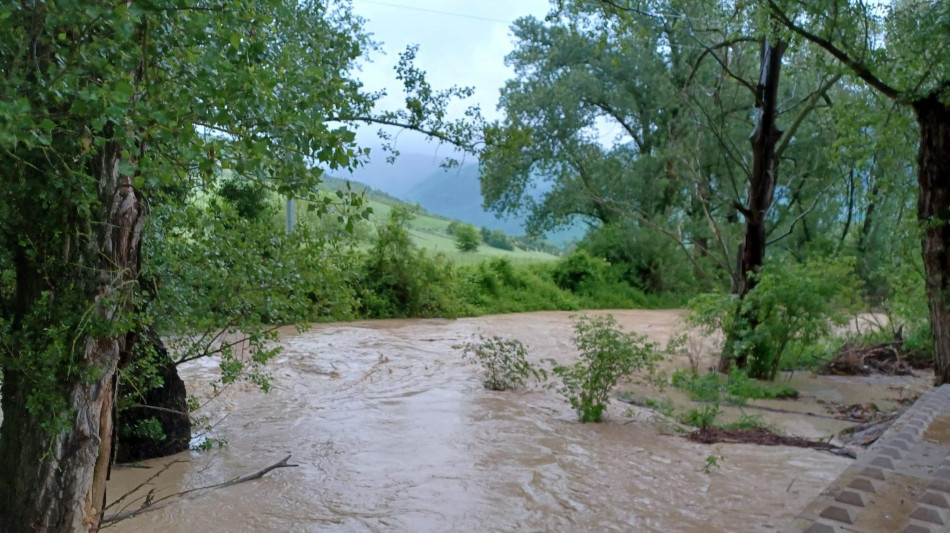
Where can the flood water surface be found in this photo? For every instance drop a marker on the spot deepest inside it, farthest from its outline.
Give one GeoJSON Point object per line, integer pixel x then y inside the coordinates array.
{"type": "Point", "coordinates": [392, 431]}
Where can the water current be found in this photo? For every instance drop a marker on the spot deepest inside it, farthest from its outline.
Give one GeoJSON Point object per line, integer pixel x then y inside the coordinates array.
{"type": "Point", "coordinates": [392, 431]}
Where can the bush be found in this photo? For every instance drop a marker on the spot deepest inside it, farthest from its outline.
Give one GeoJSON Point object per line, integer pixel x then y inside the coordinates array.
{"type": "Point", "coordinates": [735, 388]}
{"type": "Point", "coordinates": [606, 355]}
{"type": "Point", "coordinates": [396, 279]}
{"type": "Point", "coordinates": [504, 363]}
{"type": "Point", "coordinates": [793, 305]}
{"type": "Point", "coordinates": [578, 269]}
{"type": "Point", "coordinates": [497, 286]}
{"type": "Point", "coordinates": [701, 417]}
{"type": "Point", "coordinates": [641, 258]}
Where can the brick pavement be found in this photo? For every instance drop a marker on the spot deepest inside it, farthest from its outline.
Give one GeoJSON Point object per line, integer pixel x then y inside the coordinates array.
{"type": "Point", "coordinates": [900, 484]}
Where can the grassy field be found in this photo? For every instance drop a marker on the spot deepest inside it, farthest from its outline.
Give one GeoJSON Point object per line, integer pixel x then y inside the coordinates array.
{"type": "Point", "coordinates": [431, 232]}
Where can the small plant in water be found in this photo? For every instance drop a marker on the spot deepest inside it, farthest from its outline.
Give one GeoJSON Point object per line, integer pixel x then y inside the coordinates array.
{"type": "Point", "coordinates": [701, 418]}
{"type": "Point", "coordinates": [606, 355]}
{"type": "Point", "coordinates": [712, 461]}
{"type": "Point", "coordinates": [504, 362]}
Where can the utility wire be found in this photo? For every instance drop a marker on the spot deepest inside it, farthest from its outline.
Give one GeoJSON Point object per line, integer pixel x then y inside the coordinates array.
{"type": "Point", "coordinates": [436, 11]}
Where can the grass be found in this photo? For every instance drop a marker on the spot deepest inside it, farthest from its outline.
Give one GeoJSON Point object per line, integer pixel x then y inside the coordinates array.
{"type": "Point", "coordinates": [735, 388]}
{"type": "Point", "coordinates": [430, 232]}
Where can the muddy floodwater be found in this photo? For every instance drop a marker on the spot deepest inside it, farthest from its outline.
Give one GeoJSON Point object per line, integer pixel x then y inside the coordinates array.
{"type": "Point", "coordinates": [392, 431]}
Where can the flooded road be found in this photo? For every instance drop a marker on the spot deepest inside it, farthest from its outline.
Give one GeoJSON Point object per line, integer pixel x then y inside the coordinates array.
{"type": "Point", "coordinates": [392, 431]}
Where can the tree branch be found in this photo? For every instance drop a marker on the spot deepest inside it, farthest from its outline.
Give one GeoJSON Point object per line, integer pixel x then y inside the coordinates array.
{"type": "Point", "coordinates": [809, 107]}
{"type": "Point", "coordinates": [803, 214]}
{"type": "Point", "coordinates": [856, 66]}
{"type": "Point", "coordinates": [168, 500]}
{"type": "Point", "coordinates": [710, 50]}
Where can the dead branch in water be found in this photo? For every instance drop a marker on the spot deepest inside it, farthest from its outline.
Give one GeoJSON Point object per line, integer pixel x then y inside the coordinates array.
{"type": "Point", "coordinates": [142, 484]}
{"type": "Point", "coordinates": [883, 358]}
{"type": "Point", "coordinates": [150, 505]}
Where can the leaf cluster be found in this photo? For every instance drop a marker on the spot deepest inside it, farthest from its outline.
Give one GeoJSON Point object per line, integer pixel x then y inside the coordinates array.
{"type": "Point", "coordinates": [793, 305]}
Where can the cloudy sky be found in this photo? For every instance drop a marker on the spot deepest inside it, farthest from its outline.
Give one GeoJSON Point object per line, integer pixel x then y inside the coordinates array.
{"type": "Point", "coordinates": [461, 42]}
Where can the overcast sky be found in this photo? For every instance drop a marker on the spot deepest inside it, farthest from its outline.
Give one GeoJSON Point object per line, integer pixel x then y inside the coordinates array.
{"type": "Point", "coordinates": [461, 42]}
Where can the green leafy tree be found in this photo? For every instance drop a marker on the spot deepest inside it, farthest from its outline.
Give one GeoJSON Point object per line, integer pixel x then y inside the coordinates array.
{"type": "Point", "coordinates": [107, 111]}
{"type": "Point", "coordinates": [676, 81]}
{"type": "Point", "coordinates": [467, 238]}
{"type": "Point", "coordinates": [911, 66]}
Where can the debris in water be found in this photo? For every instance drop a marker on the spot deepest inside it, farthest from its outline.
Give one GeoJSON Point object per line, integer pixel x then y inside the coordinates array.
{"type": "Point", "coordinates": [762, 436]}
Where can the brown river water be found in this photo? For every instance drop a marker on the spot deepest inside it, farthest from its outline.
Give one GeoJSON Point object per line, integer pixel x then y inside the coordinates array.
{"type": "Point", "coordinates": [392, 431]}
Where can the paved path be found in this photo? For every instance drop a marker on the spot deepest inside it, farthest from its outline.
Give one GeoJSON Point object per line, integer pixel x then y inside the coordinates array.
{"type": "Point", "coordinates": [900, 484]}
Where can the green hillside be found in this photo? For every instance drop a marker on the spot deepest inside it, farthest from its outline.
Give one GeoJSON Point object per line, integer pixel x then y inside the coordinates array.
{"type": "Point", "coordinates": [454, 193]}
{"type": "Point", "coordinates": [429, 231]}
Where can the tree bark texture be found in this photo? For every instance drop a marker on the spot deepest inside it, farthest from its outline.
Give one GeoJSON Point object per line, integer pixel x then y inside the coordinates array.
{"type": "Point", "coordinates": [764, 139]}
{"type": "Point", "coordinates": [56, 482]}
{"type": "Point", "coordinates": [933, 212]}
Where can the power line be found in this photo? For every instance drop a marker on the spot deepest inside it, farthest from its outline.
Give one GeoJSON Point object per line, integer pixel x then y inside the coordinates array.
{"type": "Point", "coordinates": [438, 12]}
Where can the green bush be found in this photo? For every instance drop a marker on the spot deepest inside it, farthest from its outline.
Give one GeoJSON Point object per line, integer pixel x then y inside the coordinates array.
{"type": "Point", "coordinates": [497, 286]}
{"type": "Point", "coordinates": [701, 417]}
{"type": "Point", "coordinates": [397, 279]}
{"type": "Point", "coordinates": [641, 258]}
{"type": "Point", "coordinates": [606, 355]}
{"type": "Point", "coordinates": [792, 306]}
{"type": "Point", "coordinates": [504, 362]}
{"type": "Point", "coordinates": [578, 269]}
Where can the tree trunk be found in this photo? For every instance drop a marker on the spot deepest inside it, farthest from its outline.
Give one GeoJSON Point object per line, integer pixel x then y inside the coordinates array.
{"type": "Point", "coordinates": [933, 212]}
{"type": "Point", "coordinates": [764, 139]}
{"type": "Point", "coordinates": [55, 480]}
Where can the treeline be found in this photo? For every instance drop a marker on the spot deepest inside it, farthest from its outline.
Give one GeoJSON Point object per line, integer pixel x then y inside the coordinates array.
{"type": "Point", "coordinates": [227, 257]}
{"type": "Point", "coordinates": [468, 238]}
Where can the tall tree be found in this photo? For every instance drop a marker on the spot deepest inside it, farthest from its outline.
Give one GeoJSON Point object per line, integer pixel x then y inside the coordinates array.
{"type": "Point", "coordinates": [901, 50]}
{"type": "Point", "coordinates": [102, 105]}
{"type": "Point", "coordinates": [764, 139]}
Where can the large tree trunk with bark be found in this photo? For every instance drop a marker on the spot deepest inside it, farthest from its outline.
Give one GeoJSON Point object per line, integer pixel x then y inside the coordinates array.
{"type": "Point", "coordinates": [55, 480]}
{"type": "Point", "coordinates": [764, 139]}
{"type": "Point", "coordinates": [933, 204]}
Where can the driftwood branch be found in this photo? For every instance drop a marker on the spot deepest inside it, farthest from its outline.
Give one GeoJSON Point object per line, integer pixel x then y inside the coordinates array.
{"type": "Point", "coordinates": [142, 484]}
{"type": "Point", "coordinates": [165, 501]}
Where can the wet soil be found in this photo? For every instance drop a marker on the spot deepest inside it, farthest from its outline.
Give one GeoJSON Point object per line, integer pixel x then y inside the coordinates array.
{"type": "Point", "coordinates": [392, 431]}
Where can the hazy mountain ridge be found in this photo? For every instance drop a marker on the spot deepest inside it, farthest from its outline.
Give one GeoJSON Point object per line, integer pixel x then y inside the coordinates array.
{"type": "Point", "coordinates": [454, 193]}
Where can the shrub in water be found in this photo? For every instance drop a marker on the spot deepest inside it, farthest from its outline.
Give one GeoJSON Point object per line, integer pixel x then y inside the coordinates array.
{"type": "Point", "coordinates": [504, 362]}
{"type": "Point", "coordinates": [606, 355]}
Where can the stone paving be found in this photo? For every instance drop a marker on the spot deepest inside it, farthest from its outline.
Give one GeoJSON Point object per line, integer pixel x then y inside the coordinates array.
{"type": "Point", "coordinates": [900, 484]}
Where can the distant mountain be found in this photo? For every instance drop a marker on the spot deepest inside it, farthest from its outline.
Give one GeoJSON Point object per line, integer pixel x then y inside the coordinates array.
{"type": "Point", "coordinates": [397, 178]}
{"type": "Point", "coordinates": [454, 193]}
{"type": "Point", "coordinates": [457, 193]}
